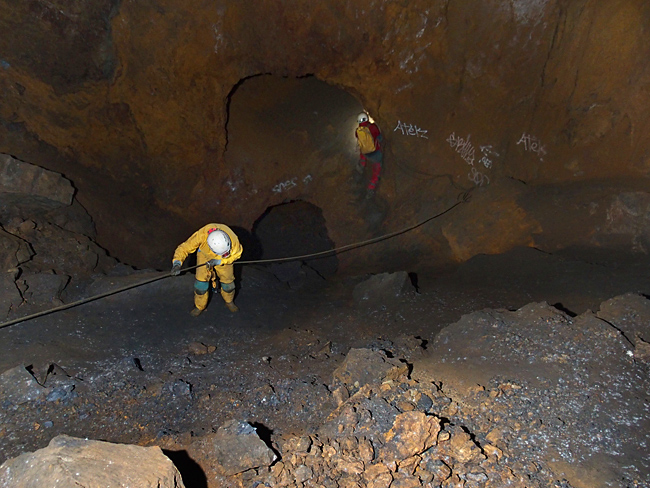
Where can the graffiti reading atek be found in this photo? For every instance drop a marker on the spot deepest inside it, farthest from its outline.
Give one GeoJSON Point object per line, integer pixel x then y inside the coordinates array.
{"type": "Point", "coordinates": [532, 144]}
{"type": "Point", "coordinates": [410, 130]}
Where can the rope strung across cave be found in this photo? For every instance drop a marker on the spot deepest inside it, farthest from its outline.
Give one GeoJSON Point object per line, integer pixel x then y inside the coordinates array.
{"type": "Point", "coordinates": [462, 198]}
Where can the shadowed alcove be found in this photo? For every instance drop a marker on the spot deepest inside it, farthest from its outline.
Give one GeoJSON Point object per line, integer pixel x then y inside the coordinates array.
{"type": "Point", "coordinates": [295, 229]}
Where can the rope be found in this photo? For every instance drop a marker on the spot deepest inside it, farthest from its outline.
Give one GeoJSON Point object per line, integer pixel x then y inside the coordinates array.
{"type": "Point", "coordinates": [464, 197]}
{"type": "Point", "coordinates": [80, 302]}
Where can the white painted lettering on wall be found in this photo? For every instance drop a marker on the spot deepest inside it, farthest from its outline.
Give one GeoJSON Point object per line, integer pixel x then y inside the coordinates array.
{"type": "Point", "coordinates": [487, 154]}
{"type": "Point", "coordinates": [463, 147]}
{"type": "Point", "coordinates": [532, 144]}
{"type": "Point", "coordinates": [477, 177]}
{"type": "Point", "coordinates": [467, 151]}
{"type": "Point", "coordinates": [410, 130]}
{"type": "Point", "coordinates": [285, 185]}
{"type": "Point", "coordinates": [292, 183]}
{"type": "Point", "coordinates": [218, 36]}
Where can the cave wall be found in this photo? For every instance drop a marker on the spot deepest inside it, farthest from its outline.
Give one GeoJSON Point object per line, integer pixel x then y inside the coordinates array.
{"type": "Point", "coordinates": [130, 100]}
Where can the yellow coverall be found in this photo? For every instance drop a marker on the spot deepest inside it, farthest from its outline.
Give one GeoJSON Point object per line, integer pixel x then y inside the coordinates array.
{"type": "Point", "coordinates": [224, 272]}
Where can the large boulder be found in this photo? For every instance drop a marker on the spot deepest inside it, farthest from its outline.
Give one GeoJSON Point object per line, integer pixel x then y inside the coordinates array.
{"type": "Point", "coordinates": [68, 461]}
{"type": "Point", "coordinates": [43, 289]}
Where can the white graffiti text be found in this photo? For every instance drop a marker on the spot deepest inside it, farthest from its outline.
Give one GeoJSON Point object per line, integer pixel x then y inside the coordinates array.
{"type": "Point", "coordinates": [477, 177]}
{"type": "Point", "coordinates": [291, 183]}
{"type": "Point", "coordinates": [487, 153]}
{"type": "Point", "coordinates": [285, 185]}
{"type": "Point", "coordinates": [463, 147]}
{"type": "Point", "coordinates": [532, 144]}
{"type": "Point", "coordinates": [410, 130]}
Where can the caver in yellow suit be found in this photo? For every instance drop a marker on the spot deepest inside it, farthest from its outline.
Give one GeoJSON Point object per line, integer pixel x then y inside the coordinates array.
{"type": "Point", "coordinates": [217, 247]}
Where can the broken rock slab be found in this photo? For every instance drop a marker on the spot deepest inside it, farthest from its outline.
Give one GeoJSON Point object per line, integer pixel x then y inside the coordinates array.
{"type": "Point", "coordinates": [365, 366]}
{"type": "Point", "coordinates": [69, 461]}
{"type": "Point", "coordinates": [10, 297]}
{"type": "Point", "coordinates": [383, 288]}
{"type": "Point", "coordinates": [44, 289]}
{"type": "Point", "coordinates": [235, 448]}
{"type": "Point", "coordinates": [31, 185]}
{"type": "Point", "coordinates": [13, 251]}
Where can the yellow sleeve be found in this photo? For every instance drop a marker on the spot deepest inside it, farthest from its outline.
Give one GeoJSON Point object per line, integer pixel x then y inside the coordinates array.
{"type": "Point", "coordinates": [190, 245]}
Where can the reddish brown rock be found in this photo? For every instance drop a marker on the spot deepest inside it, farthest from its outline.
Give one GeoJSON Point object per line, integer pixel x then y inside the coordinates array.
{"type": "Point", "coordinates": [378, 476]}
{"type": "Point", "coordinates": [412, 433]}
{"type": "Point", "coordinates": [198, 348]}
{"type": "Point", "coordinates": [463, 449]}
{"type": "Point", "coordinates": [405, 481]}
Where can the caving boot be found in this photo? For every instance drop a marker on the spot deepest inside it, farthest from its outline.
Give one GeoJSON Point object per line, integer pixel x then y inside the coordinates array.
{"type": "Point", "coordinates": [195, 312]}
{"type": "Point", "coordinates": [232, 307]}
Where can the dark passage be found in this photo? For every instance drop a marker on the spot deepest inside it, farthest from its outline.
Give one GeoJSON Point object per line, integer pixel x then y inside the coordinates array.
{"type": "Point", "coordinates": [295, 229]}
{"type": "Point", "coordinates": [288, 122]}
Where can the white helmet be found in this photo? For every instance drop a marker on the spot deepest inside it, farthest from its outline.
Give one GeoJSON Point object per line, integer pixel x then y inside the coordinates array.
{"type": "Point", "coordinates": [219, 242]}
{"type": "Point", "coordinates": [362, 117]}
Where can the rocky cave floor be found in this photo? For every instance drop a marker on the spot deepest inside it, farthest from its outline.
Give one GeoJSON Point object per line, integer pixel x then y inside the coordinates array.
{"type": "Point", "coordinates": [524, 369]}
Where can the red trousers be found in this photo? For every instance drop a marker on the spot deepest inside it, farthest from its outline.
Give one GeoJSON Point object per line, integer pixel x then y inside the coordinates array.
{"type": "Point", "coordinates": [375, 159]}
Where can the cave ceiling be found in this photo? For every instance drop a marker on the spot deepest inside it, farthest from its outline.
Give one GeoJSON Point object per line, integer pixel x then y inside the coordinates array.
{"type": "Point", "coordinates": [167, 114]}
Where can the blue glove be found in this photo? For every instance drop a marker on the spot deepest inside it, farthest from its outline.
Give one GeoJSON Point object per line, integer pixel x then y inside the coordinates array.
{"type": "Point", "coordinates": [213, 262]}
{"type": "Point", "coordinates": [176, 268]}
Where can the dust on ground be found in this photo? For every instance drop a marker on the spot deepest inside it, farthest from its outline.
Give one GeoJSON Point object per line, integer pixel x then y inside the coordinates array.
{"type": "Point", "coordinates": [137, 368]}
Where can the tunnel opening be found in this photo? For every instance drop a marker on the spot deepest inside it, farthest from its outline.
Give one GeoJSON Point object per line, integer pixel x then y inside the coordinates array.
{"type": "Point", "coordinates": [279, 128]}
{"type": "Point", "coordinates": [292, 229]}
